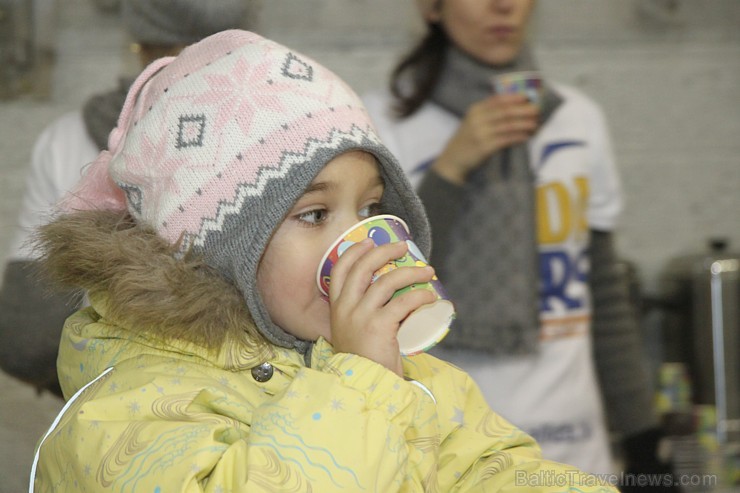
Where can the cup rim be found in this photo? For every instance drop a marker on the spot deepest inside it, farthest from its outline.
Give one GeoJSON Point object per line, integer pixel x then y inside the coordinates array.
{"type": "Point", "coordinates": [345, 233]}
{"type": "Point", "coordinates": [520, 73]}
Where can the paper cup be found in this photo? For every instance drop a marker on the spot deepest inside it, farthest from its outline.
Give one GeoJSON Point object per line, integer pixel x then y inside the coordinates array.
{"type": "Point", "coordinates": [527, 83]}
{"type": "Point", "coordinates": [426, 326]}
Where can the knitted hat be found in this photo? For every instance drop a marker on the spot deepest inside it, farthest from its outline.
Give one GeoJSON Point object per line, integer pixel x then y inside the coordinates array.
{"type": "Point", "coordinates": [182, 22]}
{"type": "Point", "coordinates": [214, 147]}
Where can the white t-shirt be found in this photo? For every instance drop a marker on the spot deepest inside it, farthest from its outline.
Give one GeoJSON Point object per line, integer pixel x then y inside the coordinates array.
{"type": "Point", "coordinates": [553, 394]}
{"type": "Point", "coordinates": [60, 153]}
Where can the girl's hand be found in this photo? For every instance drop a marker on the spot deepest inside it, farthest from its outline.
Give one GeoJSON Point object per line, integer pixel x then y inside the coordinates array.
{"type": "Point", "coordinates": [492, 124]}
{"type": "Point", "coordinates": [364, 319]}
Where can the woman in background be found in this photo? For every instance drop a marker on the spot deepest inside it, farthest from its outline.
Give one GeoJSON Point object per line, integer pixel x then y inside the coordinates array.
{"type": "Point", "coordinates": [523, 199]}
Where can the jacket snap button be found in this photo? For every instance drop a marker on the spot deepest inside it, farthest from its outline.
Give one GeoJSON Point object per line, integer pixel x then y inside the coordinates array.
{"type": "Point", "coordinates": [263, 372]}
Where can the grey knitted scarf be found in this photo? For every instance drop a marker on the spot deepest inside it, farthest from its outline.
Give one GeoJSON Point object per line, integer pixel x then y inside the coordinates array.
{"type": "Point", "coordinates": [100, 112]}
{"type": "Point", "coordinates": [491, 266]}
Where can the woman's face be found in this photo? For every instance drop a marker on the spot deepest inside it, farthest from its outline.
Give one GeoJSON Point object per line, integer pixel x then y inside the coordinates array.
{"type": "Point", "coordinates": [491, 31]}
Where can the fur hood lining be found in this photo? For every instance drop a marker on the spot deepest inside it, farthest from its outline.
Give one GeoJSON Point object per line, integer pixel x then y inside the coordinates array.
{"type": "Point", "coordinates": [150, 289]}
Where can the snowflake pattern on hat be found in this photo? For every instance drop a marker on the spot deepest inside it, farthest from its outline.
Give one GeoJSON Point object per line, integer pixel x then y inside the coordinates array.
{"type": "Point", "coordinates": [296, 68]}
{"type": "Point", "coordinates": [190, 131]}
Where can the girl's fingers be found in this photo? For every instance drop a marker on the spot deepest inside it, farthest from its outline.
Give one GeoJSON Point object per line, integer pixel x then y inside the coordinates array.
{"type": "Point", "coordinates": [382, 323]}
{"type": "Point", "coordinates": [386, 285]}
{"type": "Point", "coordinates": [357, 271]}
{"type": "Point", "coordinates": [361, 273]}
{"type": "Point", "coordinates": [403, 305]}
{"type": "Point", "coordinates": [343, 265]}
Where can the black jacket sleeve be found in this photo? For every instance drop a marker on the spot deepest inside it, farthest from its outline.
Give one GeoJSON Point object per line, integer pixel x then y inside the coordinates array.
{"type": "Point", "coordinates": [31, 320]}
{"type": "Point", "coordinates": [621, 361]}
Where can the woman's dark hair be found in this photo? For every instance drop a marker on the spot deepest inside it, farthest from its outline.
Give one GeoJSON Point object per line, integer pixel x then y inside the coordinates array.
{"type": "Point", "coordinates": [416, 75]}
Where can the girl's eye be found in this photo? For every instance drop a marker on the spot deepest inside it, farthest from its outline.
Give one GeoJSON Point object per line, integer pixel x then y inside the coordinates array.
{"type": "Point", "coordinates": [313, 217]}
{"type": "Point", "coordinates": [371, 210]}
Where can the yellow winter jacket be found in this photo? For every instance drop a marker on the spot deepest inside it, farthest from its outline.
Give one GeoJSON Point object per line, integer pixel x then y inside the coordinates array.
{"type": "Point", "coordinates": [166, 418]}
{"type": "Point", "coordinates": [165, 396]}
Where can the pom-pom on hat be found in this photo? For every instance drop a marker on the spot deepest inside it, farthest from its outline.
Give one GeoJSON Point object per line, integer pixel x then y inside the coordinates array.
{"type": "Point", "coordinates": [214, 147]}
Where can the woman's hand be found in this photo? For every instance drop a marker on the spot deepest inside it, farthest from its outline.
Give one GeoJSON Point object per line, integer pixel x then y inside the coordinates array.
{"type": "Point", "coordinates": [363, 320]}
{"type": "Point", "coordinates": [490, 125]}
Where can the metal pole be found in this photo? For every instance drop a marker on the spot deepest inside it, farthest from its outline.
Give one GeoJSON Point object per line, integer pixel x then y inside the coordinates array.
{"type": "Point", "coordinates": [718, 347]}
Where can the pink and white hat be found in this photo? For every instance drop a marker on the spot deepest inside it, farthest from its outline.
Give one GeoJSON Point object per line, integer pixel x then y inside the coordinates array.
{"type": "Point", "coordinates": [213, 148]}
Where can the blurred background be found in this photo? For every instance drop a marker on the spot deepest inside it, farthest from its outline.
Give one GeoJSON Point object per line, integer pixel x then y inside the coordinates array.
{"type": "Point", "coordinates": [666, 72]}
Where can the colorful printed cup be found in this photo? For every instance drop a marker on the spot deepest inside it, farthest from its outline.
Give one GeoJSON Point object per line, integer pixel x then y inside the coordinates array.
{"type": "Point", "coordinates": [426, 326]}
{"type": "Point", "coordinates": [528, 83]}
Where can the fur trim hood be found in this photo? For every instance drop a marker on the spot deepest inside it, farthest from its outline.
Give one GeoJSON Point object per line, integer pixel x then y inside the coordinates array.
{"type": "Point", "coordinates": [149, 289]}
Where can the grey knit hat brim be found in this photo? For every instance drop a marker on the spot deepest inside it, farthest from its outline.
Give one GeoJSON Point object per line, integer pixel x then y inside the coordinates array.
{"type": "Point", "coordinates": [259, 219]}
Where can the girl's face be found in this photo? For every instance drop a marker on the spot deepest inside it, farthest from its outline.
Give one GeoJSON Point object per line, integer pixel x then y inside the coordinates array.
{"type": "Point", "coordinates": [346, 191]}
{"type": "Point", "coordinates": [491, 31]}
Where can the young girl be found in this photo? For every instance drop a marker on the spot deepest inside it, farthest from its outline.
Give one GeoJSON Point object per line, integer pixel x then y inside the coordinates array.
{"type": "Point", "coordinates": [208, 360]}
